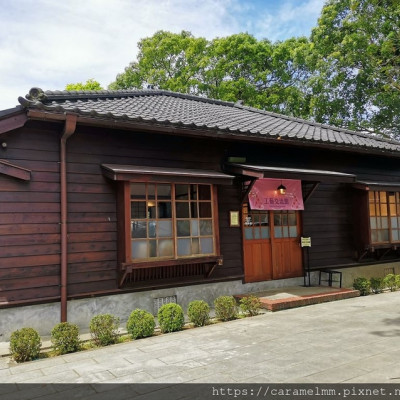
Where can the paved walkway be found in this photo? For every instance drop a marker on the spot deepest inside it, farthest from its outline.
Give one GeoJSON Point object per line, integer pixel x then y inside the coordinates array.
{"type": "Point", "coordinates": [353, 340]}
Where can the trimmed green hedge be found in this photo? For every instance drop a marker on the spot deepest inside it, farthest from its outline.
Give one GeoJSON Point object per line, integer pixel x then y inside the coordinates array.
{"type": "Point", "coordinates": [140, 324]}
{"type": "Point", "coordinates": [171, 318]}
{"type": "Point", "coordinates": [25, 344]}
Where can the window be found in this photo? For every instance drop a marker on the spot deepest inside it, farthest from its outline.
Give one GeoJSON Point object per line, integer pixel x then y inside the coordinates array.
{"type": "Point", "coordinates": [170, 221]}
{"type": "Point", "coordinates": [285, 224]}
{"type": "Point", "coordinates": [384, 217]}
{"type": "Point", "coordinates": [257, 224]}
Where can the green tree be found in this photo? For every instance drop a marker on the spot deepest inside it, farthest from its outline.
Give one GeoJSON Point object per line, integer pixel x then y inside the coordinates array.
{"type": "Point", "coordinates": [347, 74]}
{"type": "Point", "coordinates": [237, 67]}
{"type": "Point", "coordinates": [356, 64]}
{"type": "Point", "coordinates": [167, 60]}
{"type": "Point", "coordinates": [90, 84]}
{"type": "Point", "coordinates": [262, 74]}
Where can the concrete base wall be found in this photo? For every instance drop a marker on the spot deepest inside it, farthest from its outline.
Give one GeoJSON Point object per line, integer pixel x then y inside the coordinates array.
{"type": "Point", "coordinates": [44, 317]}
{"type": "Point", "coordinates": [368, 271]}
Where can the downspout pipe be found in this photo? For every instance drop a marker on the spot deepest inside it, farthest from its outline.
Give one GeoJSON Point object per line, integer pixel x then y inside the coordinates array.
{"type": "Point", "coordinates": [68, 131]}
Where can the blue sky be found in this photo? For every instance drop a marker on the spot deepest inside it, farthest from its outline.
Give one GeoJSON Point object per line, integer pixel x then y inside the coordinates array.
{"type": "Point", "coordinates": [48, 44]}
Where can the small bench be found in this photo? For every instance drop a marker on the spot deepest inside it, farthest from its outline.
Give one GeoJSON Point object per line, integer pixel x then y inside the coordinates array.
{"type": "Point", "coordinates": [331, 274]}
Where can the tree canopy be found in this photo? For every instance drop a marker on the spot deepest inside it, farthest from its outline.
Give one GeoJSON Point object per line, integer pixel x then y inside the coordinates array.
{"type": "Point", "coordinates": [237, 67]}
{"type": "Point", "coordinates": [345, 74]}
{"type": "Point", "coordinates": [90, 84]}
{"type": "Point", "coordinates": [356, 64]}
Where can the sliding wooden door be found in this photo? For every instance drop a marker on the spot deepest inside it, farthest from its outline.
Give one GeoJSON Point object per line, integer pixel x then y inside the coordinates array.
{"type": "Point", "coordinates": [271, 247]}
{"type": "Point", "coordinates": [285, 244]}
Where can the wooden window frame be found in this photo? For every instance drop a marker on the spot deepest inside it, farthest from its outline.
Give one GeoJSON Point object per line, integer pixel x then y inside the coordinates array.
{"type": "Point", "coordinates": [124, 228]}
{"type": "Point", "coordinates": [270, 224]}
{"type": "Point", "coordinates": [378, 203]}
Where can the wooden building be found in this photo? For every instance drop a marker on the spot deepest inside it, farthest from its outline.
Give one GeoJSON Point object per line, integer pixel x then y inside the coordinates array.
{"type": "Point", "coordinates": [104, 193]}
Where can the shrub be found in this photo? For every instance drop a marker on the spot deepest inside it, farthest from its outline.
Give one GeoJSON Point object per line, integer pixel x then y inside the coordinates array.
{"type": "Point", "coordinates": [25, 344]}
{"type": "Point", "coordinates": [376, 284]}
{"type": "Point", "coordinates": [250, 305]}
{"type": "Point", "coordinates": [199, 312]}
{"type": "Point", "coordinates": [391, 281]}
{"type": "Point", "coordinates": [363, 285]}
{"type": "Point", "coordinates": [140, 324]}
{"type": "Point", "coordinates": [170, 317]}
{"type": "Point", "coordinates": [104, 329]}
{"type": "Point", "coordinates": [225, 308]}
{"type": "Point", "coordinates": [65, 338]}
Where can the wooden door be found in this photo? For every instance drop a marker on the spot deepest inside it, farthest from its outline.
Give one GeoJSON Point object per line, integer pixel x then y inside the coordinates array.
{"type": "Point", "coordinates": [256, 245]}
{"type": "Point", "coordinates": [285, 243]}
{"type": "Point", "coordinates": [271, 247]}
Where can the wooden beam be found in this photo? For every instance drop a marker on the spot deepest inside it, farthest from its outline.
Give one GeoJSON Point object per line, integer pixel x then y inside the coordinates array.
{"type": "Point", "coordinates": [248, 190]}
{"type": "Point", "coordinates": [360, 186]}
{"type": "Point", "coordinates": [238, 170]}
{"type": "Point", "coordinates": [212, 268]}
{"type": "Point", "coordinates": [13, 122]}
{"type": "Point", "coordinates": [313, 189]}
{"type": "Point", "coordinates": [14, 171]}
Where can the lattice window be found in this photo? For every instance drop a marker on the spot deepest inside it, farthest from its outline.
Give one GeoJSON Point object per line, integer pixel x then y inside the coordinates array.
{"type": "Point", "coordinates": [384, 217]}
{"type": "Point", "coordinates": [394, 211]}
{"type": "Point", "coordinates": [171, 221]}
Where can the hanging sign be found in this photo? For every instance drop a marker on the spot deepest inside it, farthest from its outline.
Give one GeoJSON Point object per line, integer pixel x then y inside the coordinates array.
{"type": "Point", "coordinates": [305, 241]}
{"type": "Point", "coordinates": [264, 195]}
{"type": "Point", "coordinates": [234, 219]}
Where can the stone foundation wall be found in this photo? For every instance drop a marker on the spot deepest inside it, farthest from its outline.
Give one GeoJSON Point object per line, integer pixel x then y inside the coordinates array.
{"type": "Point", "coordinates": [43, 317]}
{"type": "Point", "coordinates": [368, 271]}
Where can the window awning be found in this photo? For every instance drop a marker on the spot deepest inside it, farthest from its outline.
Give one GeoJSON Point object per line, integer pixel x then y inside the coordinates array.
{"type": "Point", "coordinates": [311, 175]}
{"type": "Point", "coordinates": [15, 171]}
{"type": "Point", "coordinates": [378, 186]}
{"type": "Point", "coordinates": [161, 174]}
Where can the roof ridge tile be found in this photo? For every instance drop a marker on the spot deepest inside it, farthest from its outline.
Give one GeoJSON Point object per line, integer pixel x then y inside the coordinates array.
{"type": "Point", "coordinates": [39, 94]}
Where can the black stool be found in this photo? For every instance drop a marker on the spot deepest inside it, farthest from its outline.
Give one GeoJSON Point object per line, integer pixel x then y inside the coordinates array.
{"type": "Point", "coordinates": [330, 279]}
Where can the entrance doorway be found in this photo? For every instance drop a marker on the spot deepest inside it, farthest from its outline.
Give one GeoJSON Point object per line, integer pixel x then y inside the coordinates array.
{"type": "Point", "coordinates": [271, 244]}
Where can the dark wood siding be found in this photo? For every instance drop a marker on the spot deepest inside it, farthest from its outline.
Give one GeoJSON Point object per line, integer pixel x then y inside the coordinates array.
{"type": "Point", "coordinates": [230, 238]}
{"type": "Point", "coordinates": [30, 211]}
{"type": "Point", "coordinates": [328, 220]}
{"type": "Point", "coordinates": [30, 218]}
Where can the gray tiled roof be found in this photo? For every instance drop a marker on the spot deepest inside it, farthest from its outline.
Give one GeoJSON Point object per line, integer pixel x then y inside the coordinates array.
{"type": "Point", "coordinates": [217, 117]}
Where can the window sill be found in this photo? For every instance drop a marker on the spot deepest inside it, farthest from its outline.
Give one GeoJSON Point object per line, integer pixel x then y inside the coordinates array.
{"type": "Point", "coordinates": [178, 261]}
{"type": "Point", "coordinates": [379, 251]}
{"type": "Point", "coordinates": [207, 263]}
{"type": "Point", "coordinates": [393, 246]}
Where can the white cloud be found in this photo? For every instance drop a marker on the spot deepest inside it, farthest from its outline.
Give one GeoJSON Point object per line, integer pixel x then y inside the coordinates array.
{"type": "Point", "coordinates": [290, 19]}
{"type": "Point", "coordinates": [49, 43]}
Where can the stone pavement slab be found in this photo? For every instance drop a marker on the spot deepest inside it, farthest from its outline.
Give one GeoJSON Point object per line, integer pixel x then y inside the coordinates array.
{"type": "Point", "coordinates": [352, 340]}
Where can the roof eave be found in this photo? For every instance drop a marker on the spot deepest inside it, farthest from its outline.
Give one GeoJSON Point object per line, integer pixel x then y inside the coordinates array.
{"type": "Point", "coordinates": [12, 119]}
{"type": "Point", "coordinates": [213, 133]}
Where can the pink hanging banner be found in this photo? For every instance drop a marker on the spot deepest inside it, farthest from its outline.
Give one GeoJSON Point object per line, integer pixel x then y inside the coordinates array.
{"type": "Point", "coordinates": [265, 195]}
